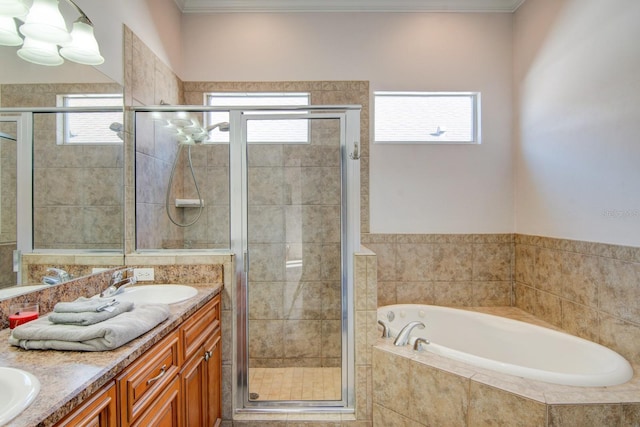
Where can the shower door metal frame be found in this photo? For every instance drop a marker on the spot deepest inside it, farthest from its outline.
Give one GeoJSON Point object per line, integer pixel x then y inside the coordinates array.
{"type": "Point", "coordinates": [24, 187]}
{"type": "Point", "coordinates": [349, 117]}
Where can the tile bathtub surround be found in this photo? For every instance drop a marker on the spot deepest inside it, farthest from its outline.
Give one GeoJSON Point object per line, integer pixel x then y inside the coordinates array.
{"type": "Point", "coordinates": [458, 394]}
{"type": "Point", "coordinates": [449, 269]}
{"type": "Point", "coordinates": [588, 289]}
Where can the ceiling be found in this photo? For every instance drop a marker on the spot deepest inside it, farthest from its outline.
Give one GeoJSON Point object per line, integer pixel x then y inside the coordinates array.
{"type": "Point", "coordinates": [218, 6]}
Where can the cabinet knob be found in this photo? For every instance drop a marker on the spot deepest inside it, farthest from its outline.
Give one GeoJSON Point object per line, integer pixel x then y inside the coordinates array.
{"type": "Point", "coordinates": [207, 355]}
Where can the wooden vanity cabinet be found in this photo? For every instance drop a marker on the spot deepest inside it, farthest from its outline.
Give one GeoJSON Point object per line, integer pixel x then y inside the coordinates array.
{"type": "Point", "coordinates": [200, 375]}
{"type": "Point", "coordinates": [140, 384]}
{"type": "Point", "coordinates": [97, 411]}
{"type": "Point", "coordinates": [175, 383]}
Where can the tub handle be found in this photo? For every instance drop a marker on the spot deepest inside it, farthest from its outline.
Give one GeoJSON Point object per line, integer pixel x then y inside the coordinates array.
{"type": "Point", "coordinates": [416, 345]}
{"type": "Point", "coordinates": [386, 332]}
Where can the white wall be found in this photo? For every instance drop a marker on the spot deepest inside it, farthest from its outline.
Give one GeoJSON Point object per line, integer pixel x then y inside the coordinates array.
{"type": "Point", "coordinates": [577, 80]}
{"type": "Point", "coordinates": [414, 189]}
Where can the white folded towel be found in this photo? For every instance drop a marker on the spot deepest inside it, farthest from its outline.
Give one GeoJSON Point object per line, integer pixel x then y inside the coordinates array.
{"type": "Point", "coordinates": [41, 334]}
{"type": "Point", "coordinates": [107, 310]}
{"type": "Point", "coordinates": [82, 305]}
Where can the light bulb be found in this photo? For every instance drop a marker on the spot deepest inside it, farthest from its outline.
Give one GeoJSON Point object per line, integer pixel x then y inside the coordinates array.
{"type": "Point", "coordinates": [8, 33]}
{"type": "Point", "coordinates": [83, 47]}
{"type": "Point", "coordinates": [13, 8]}
{"type": "Point", "coordinates": [44, 22]}
{"type": "Point", "coordinates": [41, 53]}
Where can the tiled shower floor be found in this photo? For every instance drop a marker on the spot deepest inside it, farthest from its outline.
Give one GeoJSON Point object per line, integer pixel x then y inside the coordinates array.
{"type": "Point", "coordinates": [295, 383]}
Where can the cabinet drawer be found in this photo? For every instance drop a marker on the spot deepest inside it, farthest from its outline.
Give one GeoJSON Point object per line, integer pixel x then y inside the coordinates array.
{"type": "Point", "coordinates": [195, 331]}
{"type": "Point", "coordinates": [99, 410]}
{"type": "Point", "coordinates": [145, 379]}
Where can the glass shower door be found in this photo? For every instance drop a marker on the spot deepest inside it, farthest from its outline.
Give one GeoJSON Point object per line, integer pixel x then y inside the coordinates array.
{"type": "Point", "coordinates": [294, 245]}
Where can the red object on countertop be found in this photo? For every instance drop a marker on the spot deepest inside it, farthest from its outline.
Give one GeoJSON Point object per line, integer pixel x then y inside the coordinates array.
{"type": "Point", "coordinates": [21, 318]}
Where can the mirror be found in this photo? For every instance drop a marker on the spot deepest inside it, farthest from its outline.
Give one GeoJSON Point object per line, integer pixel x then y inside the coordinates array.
{"type": "Point", "coordinates": [77, 187]}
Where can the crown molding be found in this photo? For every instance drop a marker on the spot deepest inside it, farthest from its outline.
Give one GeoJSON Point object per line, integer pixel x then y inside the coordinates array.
{"type": "Point", "coordinates": [224, 6]}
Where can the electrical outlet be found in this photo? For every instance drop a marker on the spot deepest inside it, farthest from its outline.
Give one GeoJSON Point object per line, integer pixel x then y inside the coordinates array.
{"type": "Point", "coordinates": [143, 274]}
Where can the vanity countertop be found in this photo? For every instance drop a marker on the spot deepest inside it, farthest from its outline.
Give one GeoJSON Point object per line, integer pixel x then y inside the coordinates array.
{"type": "Point", "coordinates": [67, 378]}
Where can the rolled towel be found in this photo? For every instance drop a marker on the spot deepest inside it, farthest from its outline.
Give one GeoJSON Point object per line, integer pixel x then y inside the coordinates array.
{"type": "Point", "coordinates": [41, 334]}
{"type": "Point", "coordinates": [106, 311]}
{"type": "Point", "coordinates": [81, 305]}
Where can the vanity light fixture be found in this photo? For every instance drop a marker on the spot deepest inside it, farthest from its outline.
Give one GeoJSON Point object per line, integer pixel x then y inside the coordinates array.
{"type": "Point", "coordinates": [44, 33]}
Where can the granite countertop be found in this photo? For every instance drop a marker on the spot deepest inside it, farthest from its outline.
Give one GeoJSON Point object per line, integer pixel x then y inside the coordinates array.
{"type": "Point", "coordinates": [67, 377]}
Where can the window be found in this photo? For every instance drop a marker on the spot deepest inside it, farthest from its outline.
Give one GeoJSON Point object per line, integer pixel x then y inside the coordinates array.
{"type": "Point", "coordinates": [260, 131]}
{"type": "Point", "coordinates": [427, 117]}
{"type": "Point", "coordinates": [90, 128]}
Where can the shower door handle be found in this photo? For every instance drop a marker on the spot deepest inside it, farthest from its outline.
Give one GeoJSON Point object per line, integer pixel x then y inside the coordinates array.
{"type": "Point", "coordinates": [246, 261]}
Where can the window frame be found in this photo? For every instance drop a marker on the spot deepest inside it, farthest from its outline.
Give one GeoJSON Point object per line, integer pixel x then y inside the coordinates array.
{"type": "Point", "coordinates": [62, 119]}
{"type": "Point", "coordinates": [257, 94]}
{"type": "Point", "coordinates": [475, 97]}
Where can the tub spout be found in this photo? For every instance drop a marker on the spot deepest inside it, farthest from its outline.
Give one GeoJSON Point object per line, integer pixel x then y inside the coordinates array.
{"type": "Point", "coordinates": [403, 336]}
{"type": "Point", "coordinates": [386, 333]}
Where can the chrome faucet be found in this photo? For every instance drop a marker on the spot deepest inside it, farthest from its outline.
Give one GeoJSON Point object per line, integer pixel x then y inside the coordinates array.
{"type": "Point", "coordinates": [416, 344]}
{"type": "Point", "coordinates": [403, 336]}
{"type": "Point", "coordinates": [59, 276]}
{"type": "Point", "coordinates": [120, 279]}
{"type": "Point", "coordinates": [386, 332]}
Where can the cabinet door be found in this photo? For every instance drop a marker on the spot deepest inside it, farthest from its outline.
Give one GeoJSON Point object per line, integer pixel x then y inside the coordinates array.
{"type": "Point", "coordinates": [98, 411]}
{"type": "Point", "coordinates": [165, 410]}
{"type": "Point", "coordinates": [200, 381]}
{"type": "Point", "coordinates": [193, 381]}
{"type": "Point", "coordinates": [214, 375]}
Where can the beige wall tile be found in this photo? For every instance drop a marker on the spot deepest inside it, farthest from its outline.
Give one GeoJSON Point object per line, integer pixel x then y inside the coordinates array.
{"type": "Point", "coordinates": [492, 407]}
{"type": "Point", "coordinates": [584, 415]}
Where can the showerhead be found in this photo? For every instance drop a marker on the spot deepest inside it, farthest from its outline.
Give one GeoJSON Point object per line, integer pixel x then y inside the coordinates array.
{"type": "Point", "coordinates": [118, 128]}
{"type": "Point", "coordinates": [222, 127]}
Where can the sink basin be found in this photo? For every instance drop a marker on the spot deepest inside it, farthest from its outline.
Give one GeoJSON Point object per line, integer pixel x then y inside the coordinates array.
{"type": "Point", "coordinates": [18, 388]}
{"type": "Point", "coordinates": [157, 294]}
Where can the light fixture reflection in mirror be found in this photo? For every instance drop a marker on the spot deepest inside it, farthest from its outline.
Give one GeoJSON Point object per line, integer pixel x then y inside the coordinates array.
{"type": "Point", "coordinates": [45, 31]}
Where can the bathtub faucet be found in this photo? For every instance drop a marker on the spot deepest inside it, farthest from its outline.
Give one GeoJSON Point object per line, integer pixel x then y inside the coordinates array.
{"type": "Point", "coordinates": [386, 332]}
{"type": "Point", "coordinates": [403, 336]}
{"type": "Point", "coordinates": [416, 345]}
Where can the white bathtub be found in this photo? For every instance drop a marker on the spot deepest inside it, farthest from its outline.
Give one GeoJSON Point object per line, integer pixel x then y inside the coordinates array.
{"type": "Point", "coordinates": [510, 346]}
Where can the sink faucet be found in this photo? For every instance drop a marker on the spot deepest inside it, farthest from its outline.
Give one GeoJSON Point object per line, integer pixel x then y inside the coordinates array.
{"type": "Point", "coordinates": [58, 276]}
{"type": "Point", "coordinates": [120, 279]}
{"type": "Point", "coordinates": [403, 336]}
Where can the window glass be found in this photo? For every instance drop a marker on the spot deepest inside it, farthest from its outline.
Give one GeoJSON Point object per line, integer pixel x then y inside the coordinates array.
{"type": "Point", "coordinates": [260, 131]}
{"type": "Point", "coordinates": [427, 117]}
{"type": "Point", "coordinates": [90, 128]}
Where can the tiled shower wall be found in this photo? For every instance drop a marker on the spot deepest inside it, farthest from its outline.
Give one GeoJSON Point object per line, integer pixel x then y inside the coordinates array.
{"type": "Point", "coordinates": [78, 190]}
{"type": "Point", "coordinates": [148, 81]}
{"type": "Point", "coordinates": [591, 290]}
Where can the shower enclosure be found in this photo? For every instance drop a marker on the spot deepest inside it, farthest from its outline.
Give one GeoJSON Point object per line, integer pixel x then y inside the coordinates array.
{"type": "Point", "coordinates": [284, 184]}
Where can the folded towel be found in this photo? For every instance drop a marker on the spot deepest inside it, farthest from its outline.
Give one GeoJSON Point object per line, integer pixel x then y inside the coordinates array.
{"type": "Point", "coordinates": [86, 318]}
{"type": "Point", "coordinates": [41, 334]}
{"type": "Point", "coordinates": [81, 305]}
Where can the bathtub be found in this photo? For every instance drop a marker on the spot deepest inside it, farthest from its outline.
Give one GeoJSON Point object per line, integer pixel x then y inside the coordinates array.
{"type": "Point", "coordinates": [509, 346]}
